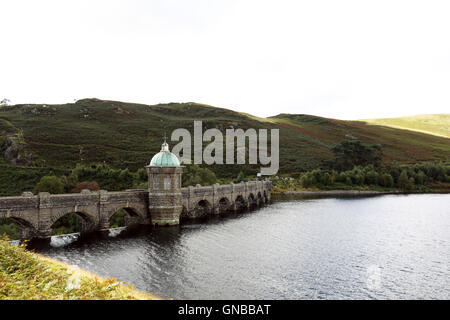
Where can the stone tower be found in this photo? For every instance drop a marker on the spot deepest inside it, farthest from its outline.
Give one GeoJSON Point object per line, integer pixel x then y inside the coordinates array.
{"type": "Point", "coordinates": [164, 187]}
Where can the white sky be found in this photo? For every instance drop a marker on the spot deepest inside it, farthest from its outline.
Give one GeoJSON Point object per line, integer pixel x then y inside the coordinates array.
{"type": "Point", "coordinates": [341, 59]}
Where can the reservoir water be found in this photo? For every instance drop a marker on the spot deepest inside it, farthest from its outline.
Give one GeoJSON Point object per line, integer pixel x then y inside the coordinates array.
{"type": "Point", "coordinates": [383, 247]}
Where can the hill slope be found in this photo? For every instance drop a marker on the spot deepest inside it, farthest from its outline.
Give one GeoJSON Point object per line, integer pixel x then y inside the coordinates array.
{"type": "Point", "coordinates": [128, 135]}
{"type": "Point", "coordinates": [435, 124]}
{"type": "Point", "coordinates": [401, 145]}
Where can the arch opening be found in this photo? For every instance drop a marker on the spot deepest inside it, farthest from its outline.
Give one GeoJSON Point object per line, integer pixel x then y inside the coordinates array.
{"type": "Point", "coordinates": [241, 204]}
{"type": "Point", "coordinates": [72, 222]}
{"type": "Point", "coordinates": [252, 204]}
{"type": "Point", "coordinates": [260, 199]}
{"type": "Point", "coordinates": [224, 206]}
{"type": "Point", "coordinates": [125, 217]}
{"type": "Point", "coordinates": [16, 228]}
{"type": "Point", "coordinates": [202, 208]}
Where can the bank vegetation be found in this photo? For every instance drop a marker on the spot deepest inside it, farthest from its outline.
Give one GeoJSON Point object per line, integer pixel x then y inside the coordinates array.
{"type": "Point", "coordinates": [25, 275]}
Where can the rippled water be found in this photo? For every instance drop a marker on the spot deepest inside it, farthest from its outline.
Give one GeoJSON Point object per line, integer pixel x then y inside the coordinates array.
{"type": "Point", "coordinates": [384, 247]}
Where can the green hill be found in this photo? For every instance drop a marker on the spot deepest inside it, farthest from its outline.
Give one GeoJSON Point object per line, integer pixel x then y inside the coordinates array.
{"type": "Point", "coordinates": [404, 146]}
{"type": "Point", "coordinates": [435, 124]}
{"type": "Point", "coordinates": [128, 135]}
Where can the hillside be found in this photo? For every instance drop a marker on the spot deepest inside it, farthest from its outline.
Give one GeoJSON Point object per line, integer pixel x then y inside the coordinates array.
{"type": "Point", "coordinates": [128, 135]}
{"type": "Point", "coordinates": [404, 146]}
{"type": "Point", "coordinates": [435, 124]}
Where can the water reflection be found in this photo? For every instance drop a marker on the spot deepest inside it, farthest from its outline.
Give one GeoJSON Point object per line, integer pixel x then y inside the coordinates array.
{"type": "Point", "coordinates": [373, 247]}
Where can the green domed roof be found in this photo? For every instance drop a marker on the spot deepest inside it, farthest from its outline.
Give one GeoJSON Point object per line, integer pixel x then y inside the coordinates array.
{"type": "Point", "coordinates": [165, 158]}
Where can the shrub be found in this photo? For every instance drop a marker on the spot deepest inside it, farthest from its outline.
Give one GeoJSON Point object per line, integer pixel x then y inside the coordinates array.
{"type": "Point", "coordinates": [308, 180]}
{"type": "Point", "coordinates": [404, 182]}
{"type": "Point", "coordinates": [51, 184]}
{"type": "Point", "coordinates": [341, 177]}
{"type": "Point", "coordinates": [240, 178]}
{"type": "Point", "coordinates": [193, 175]}
{"type": "Point", "coordinates": [420, 178]}
{"type": "Point", "coordinates": [349, 153]}
{"type": "Point", "coordinates": [348, 181]}
{"type": "Point", "coordinates": [107, 178]}
{"type": "Point", "coordinates": [386, 180]}
{"type": "Point", "coordinates": [357, 176]}
{"type": "Point", "coordinates": [90, 185]}
{"type": "Point", "coordinates": [371, 177]}
{"type": "Point", "coordinates": [326, 179]}
{"type": "Point", "coordinates": [141, 175]}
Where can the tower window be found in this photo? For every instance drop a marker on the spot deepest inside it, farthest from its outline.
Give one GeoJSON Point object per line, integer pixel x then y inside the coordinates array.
{"type": "Point", "coordinates": [167, 183]}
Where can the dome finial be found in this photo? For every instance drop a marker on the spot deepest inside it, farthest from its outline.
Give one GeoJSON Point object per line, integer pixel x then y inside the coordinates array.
{"type": "Point", "coordinates": [165, 146]}
{"type": "Point", "coordinates": [165, 157]}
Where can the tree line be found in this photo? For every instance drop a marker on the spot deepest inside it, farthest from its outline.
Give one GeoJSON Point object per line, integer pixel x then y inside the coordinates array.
{"type": "Point", "coordinates": [96, 177]}
{"type": "Point", "coordinates": [359, 165]}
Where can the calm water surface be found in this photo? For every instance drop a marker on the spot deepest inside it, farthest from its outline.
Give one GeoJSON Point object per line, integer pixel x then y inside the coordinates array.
{"type": "Point", "coordinates": [384, 247]}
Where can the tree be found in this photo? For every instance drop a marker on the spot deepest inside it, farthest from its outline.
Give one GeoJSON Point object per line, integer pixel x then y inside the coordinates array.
{"type": "Point", "coordinates": [386, 180]}
{"type": "Point", "coordinates": [141, 175]}
{"type": "Point", "coordinates": [5, 102]}
{"type": "Point", "coordinates": [10, 228]}
{"type": "Point", "coordinates": [90, 185]}
{"type": "Point", "coordinates": [420, 178]}
{"type": "Point", "coordinates": [193, 175]}
{"type": "Point", "coordinates": [371, 177]}
{"type": "Point", "coordinates": [404, 182]}
{"type": "Point", "coordinates": [350, 153]}
{"type": "Point", "coordinates": [240, 177]}
{"type": "Point", "coordinates": [108, 178]}
{"type": "Point", "coordinates": [69, 182]}
{"type": "Point", "coordinates": [308, 179]}
{"type": "Point", "coordinates": [51, 184]}
{"type": "Point", "coordinates": [326, 179]}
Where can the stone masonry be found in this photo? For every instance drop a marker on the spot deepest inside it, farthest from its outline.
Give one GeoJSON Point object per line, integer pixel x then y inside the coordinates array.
{"type": "Point", "coordinates": [164, 203]}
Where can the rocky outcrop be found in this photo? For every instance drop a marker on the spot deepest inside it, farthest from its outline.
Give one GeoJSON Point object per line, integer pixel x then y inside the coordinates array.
{"type": "Point", "coordinates": [12, 151]}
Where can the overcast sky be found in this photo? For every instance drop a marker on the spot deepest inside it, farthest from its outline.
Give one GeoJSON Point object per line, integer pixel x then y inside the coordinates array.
{"type": "Point", "coordinates": [341, 59]}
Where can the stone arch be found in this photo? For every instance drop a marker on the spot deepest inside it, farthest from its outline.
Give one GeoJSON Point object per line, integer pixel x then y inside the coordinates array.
{"type": "Point", "coordinates": [27, 228]}
{"type": "Point", "coordinates": [224, 205]}
{"type": "Point", "coordinates": [131, 211]}
{"type": "Point", "coordinates": [88, 222]}
{"type": "Point", "coordinates": [202, 208]}
{"type": "Point", "coordinates": [24, 218]}
{"type": "Point", "coordinates": [133, 215]}
{"type": "Point", "coordinates": [265, 197]}
{"type": "Point", "coordinates": [260, 199]}
{"type": "Point", "coordinates": [252, 201]}
{"type": "Point", "coordinates": [240, 202]}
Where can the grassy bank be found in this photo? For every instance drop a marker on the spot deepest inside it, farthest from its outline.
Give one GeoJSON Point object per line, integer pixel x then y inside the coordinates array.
{"type": "Point", "coordinates": [25, 275]}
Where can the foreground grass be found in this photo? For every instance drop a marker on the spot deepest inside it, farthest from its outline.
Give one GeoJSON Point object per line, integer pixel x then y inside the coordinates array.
{"type": "Point", "coordinates": [25, 275]}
